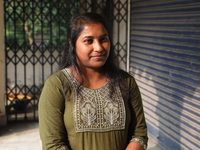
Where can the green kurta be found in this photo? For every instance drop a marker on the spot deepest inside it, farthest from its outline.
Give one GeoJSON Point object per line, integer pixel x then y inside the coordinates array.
{"type": "Point", "coordinates": [89, 121]}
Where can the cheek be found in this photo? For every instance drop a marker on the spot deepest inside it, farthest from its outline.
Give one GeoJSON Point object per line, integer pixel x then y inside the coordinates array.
{"type": "Point", "coordinates": [82, 54]}
{"type": "Point", "coordinates": [79, 54]}
{"type": "Point", "coordinates": [106, 46]}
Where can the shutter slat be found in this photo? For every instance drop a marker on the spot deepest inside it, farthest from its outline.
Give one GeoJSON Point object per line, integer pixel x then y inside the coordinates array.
{"type": "Point", "coordinates": [165, 61]}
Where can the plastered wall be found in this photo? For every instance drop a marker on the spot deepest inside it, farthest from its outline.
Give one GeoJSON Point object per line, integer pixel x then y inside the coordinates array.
{"type": "Point", "coordinates": [2, 69]}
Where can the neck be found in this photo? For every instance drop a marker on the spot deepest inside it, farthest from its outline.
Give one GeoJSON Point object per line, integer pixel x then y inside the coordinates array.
{"type": "Point", "coordinates": [89, 73]}
{"type": "Point", "coordinates": [91, 78]}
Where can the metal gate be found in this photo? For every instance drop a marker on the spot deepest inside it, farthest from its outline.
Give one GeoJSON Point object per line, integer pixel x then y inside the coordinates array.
{"type": "Point", "coordinates": [35, 36]}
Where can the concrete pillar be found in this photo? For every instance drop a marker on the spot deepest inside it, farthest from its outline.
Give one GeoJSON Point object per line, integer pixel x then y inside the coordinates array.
{"type": "Point", "coordinates": [3, 120]}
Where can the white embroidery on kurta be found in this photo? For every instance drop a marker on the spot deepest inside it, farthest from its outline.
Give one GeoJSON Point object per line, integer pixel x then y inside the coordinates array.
{"type": "Point", "coordinates": [88, 114]}
{"type": "Point", "coordinates": [94, 110]}
{"type": "Point", "coordinates": [111, 113]}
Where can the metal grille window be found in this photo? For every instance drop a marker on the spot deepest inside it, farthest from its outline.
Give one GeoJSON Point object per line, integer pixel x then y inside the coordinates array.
{"type": "Point", "coordinates": [35, 36]}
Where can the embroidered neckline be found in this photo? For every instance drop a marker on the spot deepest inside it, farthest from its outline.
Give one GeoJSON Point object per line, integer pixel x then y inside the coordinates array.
{"type": "Point", "coordinates": [75, 81]}
{"type": "Point", "coordinates": [94, 110]}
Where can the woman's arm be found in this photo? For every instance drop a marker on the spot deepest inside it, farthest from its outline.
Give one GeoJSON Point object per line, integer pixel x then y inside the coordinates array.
{"type": "Point", "coordinates": [51, 108]}
{"type": "Point", "coordinates": [138, 129]}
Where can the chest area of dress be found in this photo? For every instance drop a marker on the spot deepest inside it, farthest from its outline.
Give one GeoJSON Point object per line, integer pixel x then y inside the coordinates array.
{"type": "Point", "coordinates": [97, 110]}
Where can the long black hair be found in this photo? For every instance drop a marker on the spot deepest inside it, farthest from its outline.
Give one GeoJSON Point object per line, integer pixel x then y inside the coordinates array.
{"type": "Point", "coordinates": [111, 68]}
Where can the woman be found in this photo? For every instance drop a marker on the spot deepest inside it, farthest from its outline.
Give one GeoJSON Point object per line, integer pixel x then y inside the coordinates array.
{"type": "Point", "coordinates": [91, 104]}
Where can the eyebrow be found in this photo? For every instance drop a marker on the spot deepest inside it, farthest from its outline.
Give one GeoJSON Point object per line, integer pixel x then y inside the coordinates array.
{"type": "Point", "coordinates": [93, 36]}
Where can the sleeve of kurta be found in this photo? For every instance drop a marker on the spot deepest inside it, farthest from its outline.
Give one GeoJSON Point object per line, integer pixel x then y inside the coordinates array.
{"type": "Point", "coordinates": [139, 133]}
{"type": "Point", "coordinates": [51, 108]}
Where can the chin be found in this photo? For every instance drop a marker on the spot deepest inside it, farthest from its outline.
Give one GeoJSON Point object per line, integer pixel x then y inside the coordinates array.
{"type": "Point", "coordinates": [97, 66]}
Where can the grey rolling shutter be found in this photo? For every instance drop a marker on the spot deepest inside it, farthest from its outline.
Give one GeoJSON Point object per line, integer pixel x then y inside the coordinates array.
{"type": "Point", "coordinates": [165, 60]}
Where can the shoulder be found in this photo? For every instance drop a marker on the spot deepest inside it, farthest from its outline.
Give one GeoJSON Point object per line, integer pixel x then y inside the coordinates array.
{"type": "Point", "coordinates": [58, 83]}
{"type": "Point", "coordinates": [57, 79]}
{"type": "Point", "coordinates": [128, 79]}
{"type": "Point", "coordinates": [127, 76]}
{"type": "Point", "coordinates": [57, 75]}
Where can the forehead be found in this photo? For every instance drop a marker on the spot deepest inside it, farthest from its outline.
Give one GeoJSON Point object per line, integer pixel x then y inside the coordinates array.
{"type": "Point", "coordinates": [93, 29]}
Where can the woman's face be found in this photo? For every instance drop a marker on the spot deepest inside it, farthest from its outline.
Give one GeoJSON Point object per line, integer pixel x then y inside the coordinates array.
{"type": "Point", "coordinates": [93, 46]}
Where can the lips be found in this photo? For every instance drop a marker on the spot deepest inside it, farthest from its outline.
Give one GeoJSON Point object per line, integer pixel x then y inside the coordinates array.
{"type": "Point", "coordinates": [98, 56]}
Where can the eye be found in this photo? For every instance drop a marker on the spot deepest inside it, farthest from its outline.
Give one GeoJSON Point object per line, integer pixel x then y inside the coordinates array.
{"type": "Point", "coordinates": [104, 39]}
{"type": "Point", "coordinates": [89, 41]}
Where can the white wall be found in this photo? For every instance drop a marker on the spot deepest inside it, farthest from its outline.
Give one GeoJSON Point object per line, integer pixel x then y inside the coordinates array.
{"type": "Point", "coordinates": [2, 68]}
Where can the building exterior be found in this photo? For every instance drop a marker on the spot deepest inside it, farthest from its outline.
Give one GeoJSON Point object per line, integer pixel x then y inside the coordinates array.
{"type": "Point", "coordinates": [2, 67]}
{"type": "Point", "coordinates": [163, 53]}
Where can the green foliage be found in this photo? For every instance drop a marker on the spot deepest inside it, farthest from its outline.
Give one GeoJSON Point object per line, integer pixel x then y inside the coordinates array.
{"type": "Point", "coordinates": [37, 22]}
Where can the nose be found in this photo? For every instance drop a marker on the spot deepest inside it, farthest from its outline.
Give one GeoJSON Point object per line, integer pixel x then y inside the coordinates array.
{"type": "Point", "coordinates": [98, 47]}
